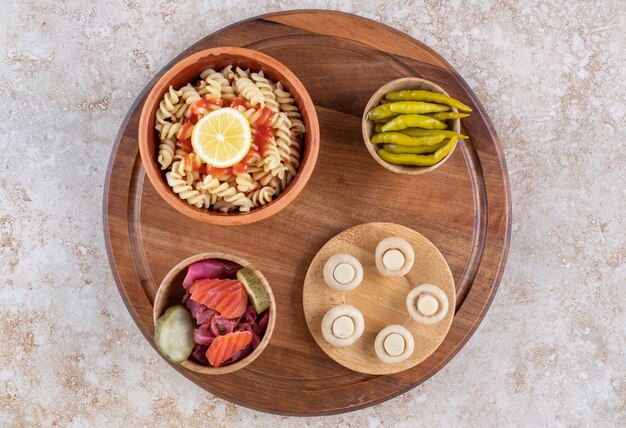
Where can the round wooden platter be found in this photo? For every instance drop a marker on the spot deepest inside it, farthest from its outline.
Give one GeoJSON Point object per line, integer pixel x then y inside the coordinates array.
{"type": "Point", "coordinates": [464, 208]}
{"type": "Point", "coordinates": [381, 300]}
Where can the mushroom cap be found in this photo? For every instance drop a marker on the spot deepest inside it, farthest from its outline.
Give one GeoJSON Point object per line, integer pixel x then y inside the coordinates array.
{"type": "Point", "coordinates": [332, 315]}
{"type": "Point", "coordinates": [381, 337]}
{"type": "Point", "coordinates": [333, 263]}
{"type": "Point", "coordinates": [398, 244]}
{"type": "Point", "coordinates": [427, 290]}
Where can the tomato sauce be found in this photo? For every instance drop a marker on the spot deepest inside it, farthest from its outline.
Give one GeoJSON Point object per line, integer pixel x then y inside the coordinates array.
{"type": "Point", "coordinates": [260, 144]}
{"type": "Point", "coordinates": [185, 145]}
{"type": "Point", "coordinates": [265, 118]}
{"type": "Point", "coordinates": [203, 104]}
{"type": "Point", "coordinates": [185, 131]}
{"type": "Point", "coordinates": [193, 119]}
{"type": "Point", "coordinates": [262, 140]}
{"type": "Point", "coordinates": [240, 102]}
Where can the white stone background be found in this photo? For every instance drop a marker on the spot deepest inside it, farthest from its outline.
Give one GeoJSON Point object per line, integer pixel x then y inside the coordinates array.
{"type": "Point", "coordinates": [551, 350]}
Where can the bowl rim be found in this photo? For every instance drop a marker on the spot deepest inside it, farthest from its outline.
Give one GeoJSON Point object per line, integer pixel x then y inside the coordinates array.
{"type": "Point", "coordinates": [168, 282]}
{"type": "Point", "coordinates": [367, 126]}
{"type": "Point", "coordinates": [309, 154]}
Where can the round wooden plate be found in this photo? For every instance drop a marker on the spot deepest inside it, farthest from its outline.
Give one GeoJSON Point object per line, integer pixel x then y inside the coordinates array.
{"type": "Point", "coordinates": [381, 300]}
{"type": "Point", "coordinates": [463, 207]}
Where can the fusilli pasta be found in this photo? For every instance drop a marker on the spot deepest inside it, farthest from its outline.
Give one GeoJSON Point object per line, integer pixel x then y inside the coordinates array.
{"type": "Point", "coordinates": [166, 153]}
{"type": "Point", "coordinates": [262, 196]}
{"type": "Point", "coordinates": [276, 129]}
{"type": "Point", "coordinates": [184, 190]}
{"type": "Point", "coordinates": [246, 88]}
{"type": "Point", "coordinates": [288, 105]}
{"type": "Point", "coordinates": [169, 102]}
{"type": "Point", "coordinates": [266, 89]}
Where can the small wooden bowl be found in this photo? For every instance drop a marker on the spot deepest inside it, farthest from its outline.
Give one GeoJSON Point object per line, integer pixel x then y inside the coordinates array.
{"type": "Point", "coordinates": [367, 126]}
{"type": "Point", "coordinates": [171, 292]}
{"type": "Point", "coordinates": [187, 70]}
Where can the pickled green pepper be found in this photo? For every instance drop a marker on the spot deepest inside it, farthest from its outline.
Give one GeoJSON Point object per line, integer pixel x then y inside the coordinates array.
{"type": "Point", "coordinates": [404, 140]}
{"type": "Point", "coordinates": [448, 115]}
{"type": "Point", "coordinates": [419, 95]}
{"type": "Point", "coordinates": [398, 149]}
{"type": "Point", "coordinates": [416, 107]}
{"type": "Point", "coordinates": [416, 159]}
{"type": "Point", "coordinates": [382, 111]}
{"type": "Point", "coordinates": [417, 132]}
{"type": "Point", "coordinates": [413, 121]}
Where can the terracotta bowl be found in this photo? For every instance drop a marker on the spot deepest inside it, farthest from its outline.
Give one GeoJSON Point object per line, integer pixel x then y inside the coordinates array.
{"type": "Point", "coordinates": [367, 126]}
{"type": "Point", "coordinates": [187, 70]}
{"type": "Point", "coordinates": [171, 292]}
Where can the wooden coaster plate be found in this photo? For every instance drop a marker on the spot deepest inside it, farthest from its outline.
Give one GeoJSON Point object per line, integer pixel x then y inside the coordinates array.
{"type": "Point", "coordinates": [380, 299]}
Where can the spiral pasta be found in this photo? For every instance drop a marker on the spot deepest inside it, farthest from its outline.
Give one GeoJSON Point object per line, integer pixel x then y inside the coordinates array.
{"type": "Point", "coordinates": [166, 153]}
{"type": "Point", "coordinates": [262, 196]}
{"type": "Point", "coordinates": [251, 114]}
{"type": "Point", "coordinates": [184, 190]}
{"type": "Point", "coordinates": [168, 130]}
{"type": "Point", "coordinates": [248, 89]}
{"type": "Point", "coordinates": [245, 183]}
{"type": "Point", "coordinates": [227, 92]}
{"type": "Point", "coordinates": [239, 199]}
{"type": "Point", "coordinates": [180, 154]}
{"type": "Point", "coordinates": [227, 72]}
{"type": "Point", "coordinates": [260, 175]}
{"type": "Point", "coordinates": [282, 124]}
{"type": "Point", "coordinates": [181, 112]}
{"type": "Point", "coordinates": [287, 104]}
{"type": "Point", "coordinates": [273, 162]}
{"type": "Point", "coordinates": [222, 206]}
{"type": "Point", "coordinates": [214, 186]}
{"type": "Point", "coordinates": [190, 94]}
{"type": "Point", "coordinates": [266, 89]}
{"type": "Point", "coordinates": [210, 89]}
{"type": "Point", "coordinates": [209, 198]}
{"type": "Point", "coordinates": [169, 102]}
{"type": "Point", "coordinates": [276, 132]}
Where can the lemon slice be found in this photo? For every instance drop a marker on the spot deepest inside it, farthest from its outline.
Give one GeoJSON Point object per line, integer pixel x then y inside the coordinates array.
{"type": "Point", "coordinates": [222, 138]}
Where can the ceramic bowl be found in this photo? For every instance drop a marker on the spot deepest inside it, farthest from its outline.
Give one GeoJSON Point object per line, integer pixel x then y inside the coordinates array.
{"type": "Point", "coordinates": [187, 70]}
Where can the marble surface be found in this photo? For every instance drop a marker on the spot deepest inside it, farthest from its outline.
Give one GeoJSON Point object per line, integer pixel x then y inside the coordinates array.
{"type": "Point", "coordinates": [550, 352]}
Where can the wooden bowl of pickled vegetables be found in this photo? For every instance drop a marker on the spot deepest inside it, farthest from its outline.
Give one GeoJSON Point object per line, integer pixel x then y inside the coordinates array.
{"type": "Point", "coordinates": [411, 125]}
{"type": "Point", "coordinates": [213, 313]}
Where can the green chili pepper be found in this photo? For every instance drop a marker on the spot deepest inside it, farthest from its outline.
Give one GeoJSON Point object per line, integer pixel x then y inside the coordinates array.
{"type": "Point", "coordinates": [404, 140]}
{"type": "Point", "coordinates": [398, 149]}
{"type": "Point", "coordinates": [408, 95]}
{"type": "Point", "coordinates": [416, 107]}
{"type": "Point", "coordinates": [417, 132]}
{"type": "Point", "coordinates": [413, 121]}
{"type": "Point", "coordinates": [382, 111]}
{"type": "Point", "coordinates": [384, 101]}
{"type": "Point", "coordinates": [418, 160]}
{"type": "Point", "coordinates": [446, 115]}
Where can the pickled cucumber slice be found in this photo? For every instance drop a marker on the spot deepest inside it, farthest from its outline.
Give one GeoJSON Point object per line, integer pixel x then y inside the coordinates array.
{"type": "Point", "coordinates": [256, 291]}
{"type": "Point", "coordinates": [174, 333]}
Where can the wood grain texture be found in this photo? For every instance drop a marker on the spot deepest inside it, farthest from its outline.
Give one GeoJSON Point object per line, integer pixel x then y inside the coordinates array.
{"type": "Point", "coordinates": [464, 208]}
{"type": "Point", "coordinates": [381, 300]}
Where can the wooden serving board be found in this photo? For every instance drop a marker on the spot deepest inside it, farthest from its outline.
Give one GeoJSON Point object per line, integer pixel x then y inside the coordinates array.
{"type": "Point", "coordinates": [381, 300]}
{"type": "Point", "coordinates": [464, 208]}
